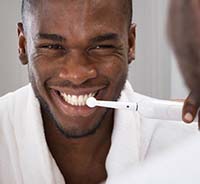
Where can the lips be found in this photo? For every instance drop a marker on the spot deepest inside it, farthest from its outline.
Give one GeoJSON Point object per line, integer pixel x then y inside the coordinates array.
{"type": "Point", "coordinates": [72, 101]}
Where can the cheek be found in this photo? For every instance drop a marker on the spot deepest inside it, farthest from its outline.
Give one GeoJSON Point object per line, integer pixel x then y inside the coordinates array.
{"type": "Point", "coordinates": [39, 72]}
{"type": "Point", "coordinates": [115, 69]}
{"type": "Point", "coordinates": [116, 73]}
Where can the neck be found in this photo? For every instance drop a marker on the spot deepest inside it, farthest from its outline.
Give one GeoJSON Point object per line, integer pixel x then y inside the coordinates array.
{"type": "Point", "coordinates": [82, 155]}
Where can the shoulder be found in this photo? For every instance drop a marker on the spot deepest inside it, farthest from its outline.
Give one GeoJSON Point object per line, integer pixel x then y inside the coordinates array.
{"type": "Point", "coordinates": [12, 101]}
{"type": "Point", "coordinates": [161, 135]}
{"type": "Point", "coordinates": [131, 95]}
{"type": "Point", "coordinates": [157, 135]}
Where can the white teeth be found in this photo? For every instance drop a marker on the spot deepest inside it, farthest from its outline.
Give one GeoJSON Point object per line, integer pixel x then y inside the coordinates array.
{"type": "Point", "coordinates": [76, 100]}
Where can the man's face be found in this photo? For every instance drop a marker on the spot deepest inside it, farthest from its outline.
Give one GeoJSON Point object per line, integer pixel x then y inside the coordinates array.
{"type": "Point", "coordinates": [77, 49]}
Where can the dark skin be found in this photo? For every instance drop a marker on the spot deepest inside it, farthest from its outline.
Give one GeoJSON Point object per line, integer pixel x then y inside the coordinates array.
{"type": "Point", "coordinates": [183, 32]}
{"type": "Point", "coordinates": [71, 48]}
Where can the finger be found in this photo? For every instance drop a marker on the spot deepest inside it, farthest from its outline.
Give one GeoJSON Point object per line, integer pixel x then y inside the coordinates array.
{"type": "Point", "coordinates": [190, 109]}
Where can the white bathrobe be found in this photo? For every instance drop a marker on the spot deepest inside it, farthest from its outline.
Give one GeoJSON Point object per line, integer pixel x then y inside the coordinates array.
{"type": "Point", "coordinates": [180, 165]}
{"type": "Point", "coordinates": [26, 159]}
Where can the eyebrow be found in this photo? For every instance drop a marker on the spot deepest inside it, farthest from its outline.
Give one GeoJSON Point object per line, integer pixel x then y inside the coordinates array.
{"type": "Point", "coordinates": [105, 37]}
{"type": "Point", "coordinates": [52, 37]}
{"type": "Point", "coordinates": [59, 38]}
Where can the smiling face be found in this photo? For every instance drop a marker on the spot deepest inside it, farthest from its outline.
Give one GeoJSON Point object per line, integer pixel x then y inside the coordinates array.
{"type": "Point", "coordinates": [76, 49]}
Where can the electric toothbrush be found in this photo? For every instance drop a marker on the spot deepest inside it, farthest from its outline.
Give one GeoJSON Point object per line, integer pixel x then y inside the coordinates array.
{"type": "Point", "coordinates": [152, 108]}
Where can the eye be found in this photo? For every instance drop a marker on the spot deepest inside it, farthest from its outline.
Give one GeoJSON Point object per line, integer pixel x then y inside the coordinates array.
{"type": "Point", "coordinates": [105, 50]}
{"type": "Point", "coordinates": [53, 47]}
{"type": "Point", "coordinates": [104, 47]}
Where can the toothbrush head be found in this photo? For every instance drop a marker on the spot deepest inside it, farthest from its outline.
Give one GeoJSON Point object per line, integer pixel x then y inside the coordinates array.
{"type": "Point", "coordinates": [91, 102]}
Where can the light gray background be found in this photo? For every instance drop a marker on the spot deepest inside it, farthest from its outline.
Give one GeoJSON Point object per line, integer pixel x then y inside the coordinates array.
{"type": "Point", "coordinates": [153, 73]}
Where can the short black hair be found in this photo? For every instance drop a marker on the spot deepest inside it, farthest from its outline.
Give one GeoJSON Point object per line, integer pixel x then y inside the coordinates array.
{"type": "Point", "coordinates": [130, 11]}
{"type": "Point", "coordinates": [26, 4]}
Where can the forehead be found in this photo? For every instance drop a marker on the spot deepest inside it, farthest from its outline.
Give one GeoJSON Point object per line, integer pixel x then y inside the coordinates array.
{"type": "Point", "coordinates": [79, 16]}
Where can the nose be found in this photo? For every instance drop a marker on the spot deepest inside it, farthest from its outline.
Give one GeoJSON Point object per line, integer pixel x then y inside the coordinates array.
{"type": "Point", "coordinates": [77, 69]}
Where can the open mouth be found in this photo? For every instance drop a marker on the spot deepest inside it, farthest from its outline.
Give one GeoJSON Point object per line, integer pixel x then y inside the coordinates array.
{"type": "Point", "coordinates": [73, 102]}
{"type": "Point", "coordinates": [72, 99]}
{"type": "Point", "coordinates": [76, 100]}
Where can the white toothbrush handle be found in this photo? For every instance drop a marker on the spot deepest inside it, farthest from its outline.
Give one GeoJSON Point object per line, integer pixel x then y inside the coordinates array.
{"type": "Point", "coordinates": [117, 105]}
{"type": "Point", "coordinates": [161, 109]}
{"type": "Point", "coordinates": [148, 108]}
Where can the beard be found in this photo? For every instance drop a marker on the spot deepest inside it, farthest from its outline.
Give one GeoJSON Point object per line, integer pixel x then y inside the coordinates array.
{"type": "Point", "coordinates": [72, 133]}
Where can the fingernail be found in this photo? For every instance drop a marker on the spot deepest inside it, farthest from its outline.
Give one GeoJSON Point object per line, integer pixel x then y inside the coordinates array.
{"type": "Point", "coordinates": [188, 117]}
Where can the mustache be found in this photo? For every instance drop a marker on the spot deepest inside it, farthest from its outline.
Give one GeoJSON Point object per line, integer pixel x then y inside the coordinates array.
{"type": "Point", "coordinates": [86, 84]}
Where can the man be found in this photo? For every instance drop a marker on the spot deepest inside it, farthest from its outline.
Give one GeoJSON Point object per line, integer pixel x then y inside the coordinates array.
{"type": "Point", "coordinates": [179, 165]}
{"type": "Point", "coordinates": [75, 49]}
{"type": "Point", "coordinates": [184, 31]}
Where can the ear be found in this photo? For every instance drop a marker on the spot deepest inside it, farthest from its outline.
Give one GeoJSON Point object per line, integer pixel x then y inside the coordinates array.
{"type": "Point", "coordinates": [22, 44]}
{"type": "Point", "coordinates": [131, 42]}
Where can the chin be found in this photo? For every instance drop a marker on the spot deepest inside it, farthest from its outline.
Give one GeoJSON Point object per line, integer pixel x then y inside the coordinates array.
{"type": "Point", "coordinates": [76, 133]}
